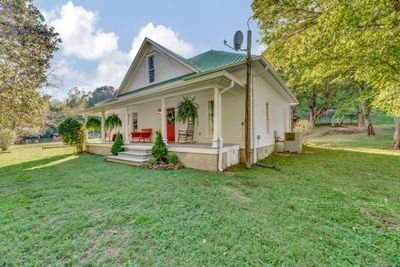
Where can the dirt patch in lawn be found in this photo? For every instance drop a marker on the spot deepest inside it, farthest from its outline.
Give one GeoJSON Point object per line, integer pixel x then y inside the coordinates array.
{"type": "Point", "coordinates": [109, 250]}
{"type": "Point", "coordinates": [236, 194]}
{"type": "Point", "coordinates": [89, 252]}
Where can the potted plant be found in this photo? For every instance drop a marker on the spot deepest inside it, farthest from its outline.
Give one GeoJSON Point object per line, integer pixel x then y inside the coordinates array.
{"type": "Point", "coordinates": [113, 122]}
{"type": "Point", "coordinates": [93, 124]}
{"type": "Point", "coordinates": [188, 112]}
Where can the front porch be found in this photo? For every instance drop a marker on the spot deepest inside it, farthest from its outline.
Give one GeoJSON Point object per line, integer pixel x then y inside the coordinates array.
{"type": "Point", "coordinates": [202, 156]}
{"type": "Point", "coordinates": [217, 136]}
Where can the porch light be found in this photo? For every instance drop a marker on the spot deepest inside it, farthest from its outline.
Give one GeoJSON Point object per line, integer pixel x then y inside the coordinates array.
{"type": "Point", "coordinates": [159, 111]}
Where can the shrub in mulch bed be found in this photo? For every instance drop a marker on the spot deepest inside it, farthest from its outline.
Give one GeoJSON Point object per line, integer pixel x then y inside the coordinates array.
{"type": "Point", "coordinates": [163, 166]}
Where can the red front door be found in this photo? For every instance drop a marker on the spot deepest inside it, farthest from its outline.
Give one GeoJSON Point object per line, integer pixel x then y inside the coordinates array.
{"type": "Point", "coordinates": [170, 125]}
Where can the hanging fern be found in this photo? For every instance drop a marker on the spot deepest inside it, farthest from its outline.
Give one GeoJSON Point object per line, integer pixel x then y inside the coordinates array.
{"type": "Point", "coordinates": [112, 122]}
{"type": "Point", "coordinates": [93, 123]}
{"type": "Point", "coordinates": [188, 110]}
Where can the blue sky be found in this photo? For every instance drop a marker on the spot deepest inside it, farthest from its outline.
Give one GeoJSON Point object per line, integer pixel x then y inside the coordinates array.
{"type": "Point", "coordinates": [100, 38]}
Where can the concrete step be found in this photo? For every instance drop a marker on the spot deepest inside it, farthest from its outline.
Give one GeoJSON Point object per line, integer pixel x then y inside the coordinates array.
{"type": "Point", "coordinates": [125, 160]}
{"type": "Point", "coordinates": [138, 149]}
{"type": "Point", "coordinates": [135, 154]}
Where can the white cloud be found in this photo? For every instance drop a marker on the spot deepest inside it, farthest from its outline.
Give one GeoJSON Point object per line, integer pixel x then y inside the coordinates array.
{"type": "Point", "coordinates": [80, 33]}
{"type": "Point", "coordinates": [83, 39]}
{"type": "Point", "coordinates": [163, 35]}
{"type": "Point", "coordinates": [112, 69]}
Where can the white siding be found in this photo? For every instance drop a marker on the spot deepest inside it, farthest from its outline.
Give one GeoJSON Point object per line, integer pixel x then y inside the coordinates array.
{"type": "Point", "coordinates": [165, 68]}
{"type": "Point", "coordinates": [265, 90]}
{"type": "Point", "coordinates": [278, 112]}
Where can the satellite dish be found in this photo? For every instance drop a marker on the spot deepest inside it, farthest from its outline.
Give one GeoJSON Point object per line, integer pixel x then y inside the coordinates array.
{"type": "Point", "coordinates": [238, 40]}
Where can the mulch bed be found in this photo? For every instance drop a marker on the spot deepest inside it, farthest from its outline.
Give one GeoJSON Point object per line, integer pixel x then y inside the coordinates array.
{"type": "Point", "coordinates": [163, 166]}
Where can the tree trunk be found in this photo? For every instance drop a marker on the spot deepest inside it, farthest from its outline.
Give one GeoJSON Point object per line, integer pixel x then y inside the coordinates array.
{"type": "Point", "coordinates": [315, 115]}
{"type": "Point", "coordinates": [361, 120]}
{"type": "Point", "coordinates": [368, 121]}
{"type": "Point", "coordinates": [396, 137]}
{"type": "Point", "coordinates": [312, 115]}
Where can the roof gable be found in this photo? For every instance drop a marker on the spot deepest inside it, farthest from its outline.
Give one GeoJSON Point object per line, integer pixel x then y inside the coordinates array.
{"type": "Point", "coordinates": [168, 65]}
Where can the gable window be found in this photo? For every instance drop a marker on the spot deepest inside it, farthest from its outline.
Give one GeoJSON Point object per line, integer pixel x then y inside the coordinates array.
{"type": "Point", "coordinates": [151, 68]}
{"type": "Point", "coordinates": [267, 116]}
{"type": "Point", "coordinates": [210, 117]}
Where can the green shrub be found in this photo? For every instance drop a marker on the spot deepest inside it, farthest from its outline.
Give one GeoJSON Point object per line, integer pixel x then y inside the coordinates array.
{"type": "Point", "coordinates": [303, 126]}
{"type": "Point", "coordinates": [7, 138]}
{"type": "Point", "coordinates": [72, 133]}
{"type": "Point", "coordinates": [117, 146]}
{"type": "Point", "coordinates": [172, 158]}
{"type": "Point", "coordinates": [159, 150]}
{"type": "Point", "coordinates": [152, 160]}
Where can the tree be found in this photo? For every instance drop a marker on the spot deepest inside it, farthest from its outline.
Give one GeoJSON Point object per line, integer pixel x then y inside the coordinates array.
{"type": "Point", "coordinates": [72, 133]}
{"type": "Point", "coordinates": [336, 39]}
{"type": "Point", "coordinates": [117, 146]}
{"type": "Point", "coordinates": [318, 98]}
{"type": "Point", "coordinates": [159, 150]}
{"type": "Point", "coordinates": [7, 138]}
{"type": "Point", "coordinates": [100, 94]}
{"type": "Point", "coordinates": [76, 100]}
{"type": "Point", "coordinates": [56, 114]}
{"type": "Point", "coordinates": [27, 45]}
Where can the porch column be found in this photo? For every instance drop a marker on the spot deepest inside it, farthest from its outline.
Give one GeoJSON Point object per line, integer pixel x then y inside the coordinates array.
{"type": "Point", "coordinates": [216, 118]}
{"type": "Point", "coordinates": [163, 120]}
{"type": "Point", "coordinates": [103, 133]}
{"type": "Point", "coordinates": [126, 126]}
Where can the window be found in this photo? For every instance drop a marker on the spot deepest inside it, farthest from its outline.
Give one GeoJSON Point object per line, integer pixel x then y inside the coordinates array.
{"type": "Point", "coordinates": [267, 116]}
{"type": "Point", "coordinates": [151, 68]}
{"type": "Point", "coordinates": [210, 118]}
{"type": "Point", "coordinates": [135, 125]}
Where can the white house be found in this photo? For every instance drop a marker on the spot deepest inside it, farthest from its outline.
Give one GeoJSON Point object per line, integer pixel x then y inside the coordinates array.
{"type": "Point", "coordinates": [159, 78]}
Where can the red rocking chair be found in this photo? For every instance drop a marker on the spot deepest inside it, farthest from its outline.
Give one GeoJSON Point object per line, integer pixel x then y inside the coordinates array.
{"type": "Point", "coordinates": [142, 136]}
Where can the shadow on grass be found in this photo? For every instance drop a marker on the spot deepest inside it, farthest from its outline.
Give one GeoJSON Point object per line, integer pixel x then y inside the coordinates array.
{"type": "Point", "coordinates": [34, 164]}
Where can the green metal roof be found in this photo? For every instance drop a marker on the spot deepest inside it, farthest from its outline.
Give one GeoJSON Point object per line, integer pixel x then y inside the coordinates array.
{"type": "Point", "coordinates": [213, 59]}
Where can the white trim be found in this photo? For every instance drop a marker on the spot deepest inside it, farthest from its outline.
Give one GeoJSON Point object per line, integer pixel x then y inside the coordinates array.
{"type": "Point", "coordinates": [163, 120]}
{"type": "Point", "coordinates": [103, 132]}
{"type": "Point", "coordinates": [126, 137]}
{"type": "Point", "coordinates": [216, 118]}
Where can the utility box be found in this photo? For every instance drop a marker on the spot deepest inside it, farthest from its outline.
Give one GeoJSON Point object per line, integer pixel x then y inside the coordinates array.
{"type": "Point", "coordinates": [293, 142]}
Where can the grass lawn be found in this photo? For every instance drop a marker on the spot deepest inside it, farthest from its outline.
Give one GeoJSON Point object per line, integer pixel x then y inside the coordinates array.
{"type": "Point", "coordinates": [338, 203]}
